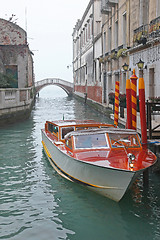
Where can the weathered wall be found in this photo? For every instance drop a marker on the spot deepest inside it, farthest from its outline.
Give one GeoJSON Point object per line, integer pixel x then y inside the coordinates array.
{"type": "Point", "coordinates": [15, 104]}
{"type": "Point", "coordinates": [16, 62]}
{"type": "Point", "coordinates": [11, 34]}
{"type": "Point", "coordinates": [15, 53]}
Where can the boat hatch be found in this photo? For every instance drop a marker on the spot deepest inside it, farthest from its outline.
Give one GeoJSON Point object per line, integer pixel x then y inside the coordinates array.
{"type": "Point", "coordinates": [124, 140]}
{"type": "Point", "coordinates": [92, 141]}
{"type": "Point", "coordinates": [65, 130]}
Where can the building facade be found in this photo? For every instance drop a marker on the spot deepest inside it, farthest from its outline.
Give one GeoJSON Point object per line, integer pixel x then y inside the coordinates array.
{"type": "Point", "coordinates": [110, 34]}
{"type": "Point", "coordinates": [16, 72]}
{"type": "Point", "coordinates": [15, 56]}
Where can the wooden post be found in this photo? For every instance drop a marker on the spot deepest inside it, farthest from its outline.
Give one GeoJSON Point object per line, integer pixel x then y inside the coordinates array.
{"type": "Point", "coordinates": [134, 99]}
{"type": "Point", "coordinates": [149, 121]}
{"type": "Point", "coordinates": [128, 100]}
{"type": "Point", "coordinates": [116, 103]}
{"type": "Point", "coordinates": [142, 111]}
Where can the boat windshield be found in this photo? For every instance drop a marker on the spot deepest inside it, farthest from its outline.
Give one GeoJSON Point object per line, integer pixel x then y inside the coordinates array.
{"type": "Point", "coordinates": [92, 141]}
{"type": "Point", "coordinates": [124, 140]}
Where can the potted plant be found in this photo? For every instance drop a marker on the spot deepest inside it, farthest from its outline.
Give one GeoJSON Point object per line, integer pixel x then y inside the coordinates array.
{"type": "Point", "coordinates": [111, 96]}
{"type": "Point", "coordinates": [122, 100]}
{"type": "Point", "coordinates": [101, 60]}
{"type": "Point", "coordinates": [121, 53]}
{"type": "Point", "coordinates": [113, 55]}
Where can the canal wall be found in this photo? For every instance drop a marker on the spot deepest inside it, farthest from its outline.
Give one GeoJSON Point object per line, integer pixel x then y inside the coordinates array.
{"type": "Point", "coordinates": [15, 104]}
{"type": "Point", "coordinates": [102, 108]}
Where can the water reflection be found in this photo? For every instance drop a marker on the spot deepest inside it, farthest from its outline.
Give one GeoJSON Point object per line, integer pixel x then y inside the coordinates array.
{"type": "Point", "coordinates": [36, 203]}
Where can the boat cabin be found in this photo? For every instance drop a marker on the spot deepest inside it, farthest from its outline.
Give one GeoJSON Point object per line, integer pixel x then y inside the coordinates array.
{"type": "Point", "coordinates": [60, 128]}
{"type": "Point", "coordinates": [92, 139]}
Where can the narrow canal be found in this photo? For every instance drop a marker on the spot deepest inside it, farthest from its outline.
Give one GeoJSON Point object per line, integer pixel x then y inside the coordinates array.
{"type": "Point", "coordinates": [37, 204]}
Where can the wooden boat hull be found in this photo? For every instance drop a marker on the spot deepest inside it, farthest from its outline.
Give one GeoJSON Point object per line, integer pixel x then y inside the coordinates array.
{"type": "Point", "coordinates": [109, 182]}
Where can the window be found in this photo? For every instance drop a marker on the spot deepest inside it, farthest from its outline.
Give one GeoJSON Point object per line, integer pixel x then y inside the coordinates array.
{"type": "Point", "coordinates": [95, 70]}
{"type": "Point", "coordinates": [124, 140]}
{"type": "Point", "coordinates": [52, 128]}
{"type": "Point", "coordinates": [66, 130]}
{"type": "Point", "coordinates": [92, 141]}
{"type": "Point", "coordinates": [104, 43]}
{"type": "Point", "coordinates": [124, 30]}
{"type": "Point", "coordinates": [116, 34]}
{"type": "Point", "coordinates": [123, 84]}
{"type": "Point", "coordinates": [89, 32]}
{"type": "Point", "coordinates": [55, 129]}
{"type": "Point", "coordinates": [98, 27]}
{"type": "Point", "coordinates": [69, 143]}
{"type": "Point", "coordinates": [12, 73]}
{"type": "Point", "coordinates": [86, 34]}
{"type": "Point", "coordinates": [82, 39]}
{"type": "Point", "coordinates": [109, 39]}
{"type": "Point", "coordinates": [99, 71]}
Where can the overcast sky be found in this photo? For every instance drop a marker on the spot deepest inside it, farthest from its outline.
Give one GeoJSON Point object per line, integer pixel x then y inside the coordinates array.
{"type": "Point", "coordinates": [49, 25]}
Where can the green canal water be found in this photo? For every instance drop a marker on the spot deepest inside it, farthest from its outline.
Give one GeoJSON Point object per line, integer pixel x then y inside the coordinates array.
{"type": "Point", "coordinates": [37, 204]}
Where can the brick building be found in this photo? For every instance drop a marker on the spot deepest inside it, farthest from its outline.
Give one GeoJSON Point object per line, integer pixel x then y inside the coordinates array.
{"type": "Point", "coordinates": [15, 56]}
{"type": "Point", "coordinates": [16, 73]}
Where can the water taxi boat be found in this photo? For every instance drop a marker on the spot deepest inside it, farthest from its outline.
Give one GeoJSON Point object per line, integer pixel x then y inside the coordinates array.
{"type": "Point", "coordinates": [105, 159]}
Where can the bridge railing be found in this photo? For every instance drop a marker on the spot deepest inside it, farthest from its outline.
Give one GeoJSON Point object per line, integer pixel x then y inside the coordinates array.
{"type": "Point", "coordinates": [53, 81]}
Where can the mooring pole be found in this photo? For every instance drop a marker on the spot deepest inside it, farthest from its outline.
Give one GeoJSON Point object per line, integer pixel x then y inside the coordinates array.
{"type": "Point", "coordinates": [142, 108]}
{"type": "Point", "coordinates": [128, 101]}
{"type": "Point", "coordinates": [134, 99]}
{"type": "Point", "coordinates": [116, 104]}
{"type": "Point", "coordinates": [143, 121]}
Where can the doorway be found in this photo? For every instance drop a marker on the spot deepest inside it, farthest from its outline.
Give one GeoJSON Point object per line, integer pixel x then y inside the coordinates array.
{"type": "Point", "coordinates": [151, 83]}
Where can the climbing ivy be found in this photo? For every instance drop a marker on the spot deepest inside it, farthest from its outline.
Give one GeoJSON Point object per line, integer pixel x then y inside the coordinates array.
{"type": "Point", "coordinates": [7, 80]}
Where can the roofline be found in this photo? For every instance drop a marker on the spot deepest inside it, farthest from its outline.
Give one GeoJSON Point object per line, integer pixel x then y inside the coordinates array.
{"type": "Point", "coordinates": [14, 24]}
{"type": "Point", "coordinates": [75, 122]}
{"type": "Point", "coordinates": [80, 21]}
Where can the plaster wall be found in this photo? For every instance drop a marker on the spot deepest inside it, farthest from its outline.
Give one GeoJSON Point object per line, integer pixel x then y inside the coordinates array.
{"type": "Point", "coordinates": [11, 34]}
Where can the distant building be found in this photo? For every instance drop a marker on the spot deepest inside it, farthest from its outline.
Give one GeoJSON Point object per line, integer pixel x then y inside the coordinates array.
{"type": "Point", "coordinates": [111, 33]}
{"type": "Point", "coordinates": [15, 56]}
{"type": "Point", "coordinates": [16, 73]}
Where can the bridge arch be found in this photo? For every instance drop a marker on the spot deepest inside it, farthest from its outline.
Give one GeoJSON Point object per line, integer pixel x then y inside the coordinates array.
{"type": "Point", "coordinates": [65, 85]}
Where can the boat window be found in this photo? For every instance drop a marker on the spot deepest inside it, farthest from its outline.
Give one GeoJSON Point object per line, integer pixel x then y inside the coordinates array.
{"type": "Point", "coordinates": [91, 141]}
{"type": "Point", "coordinates": [81, 128]}
{"type": "Point", "coordinates": [124, 140]}
{"type": "Point", "coordinates": [55, 129]}
{"type": "Point", "coordinates": [69, 143]}
{"type": "Point", "coordinates": [52, 128]}
{"type": "Point", "coordinates": [66, 130]}
{"type": "Point", "coordinates": [89, 127]}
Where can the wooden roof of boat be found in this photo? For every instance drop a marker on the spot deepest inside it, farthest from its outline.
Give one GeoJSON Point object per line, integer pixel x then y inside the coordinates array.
{"type": "Point", "coordinates": [63, 123]}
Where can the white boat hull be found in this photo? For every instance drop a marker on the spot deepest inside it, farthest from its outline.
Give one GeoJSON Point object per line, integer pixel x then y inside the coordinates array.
{"type": "Point", "coordinates": [110, 182]}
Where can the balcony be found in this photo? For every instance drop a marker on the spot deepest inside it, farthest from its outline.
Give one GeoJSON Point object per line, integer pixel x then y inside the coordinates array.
{"type": "Point", "coordinates": [105, 9]}
{"type": "Point", "coordinates": [147, 32]}
{"type": "Point", "coordinates": [154, 28]}
{"type": "Point", "coordinates": [140, 35]}
{"type": "Point", "coordinates": [111, 3]}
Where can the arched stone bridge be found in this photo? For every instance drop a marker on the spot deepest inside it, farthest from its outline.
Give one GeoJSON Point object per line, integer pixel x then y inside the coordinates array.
{"type": "Point", "coordinates": [65, 85]}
